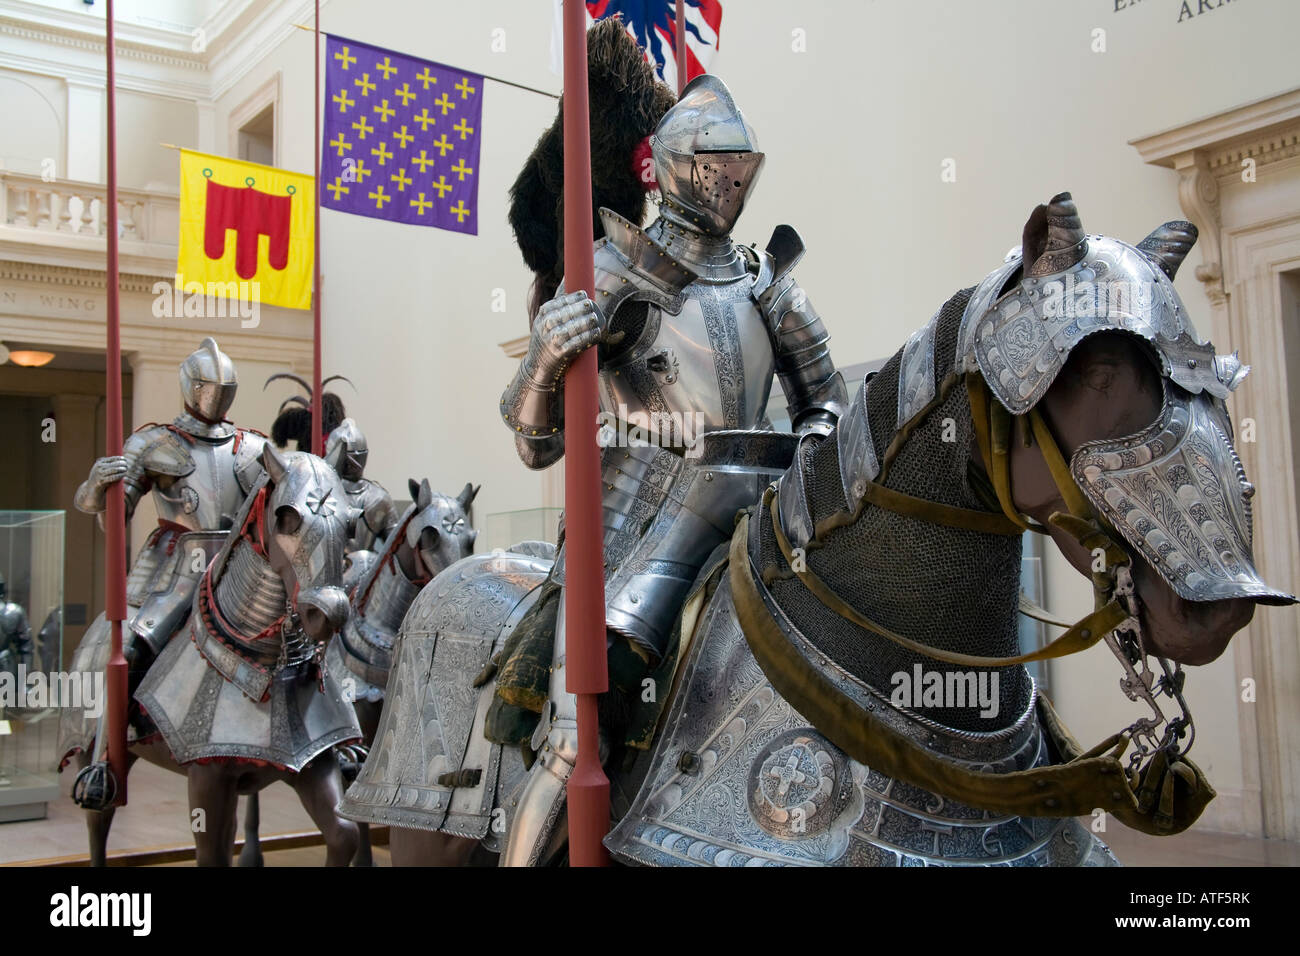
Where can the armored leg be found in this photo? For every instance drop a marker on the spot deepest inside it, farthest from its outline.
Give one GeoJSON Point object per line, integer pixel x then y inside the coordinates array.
{"type": "Point", "coordinates": [542, 802]}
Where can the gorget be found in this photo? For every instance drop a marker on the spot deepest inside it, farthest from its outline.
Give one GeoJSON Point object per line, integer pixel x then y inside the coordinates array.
{"type": "Point", "coordinates": [214, 432]}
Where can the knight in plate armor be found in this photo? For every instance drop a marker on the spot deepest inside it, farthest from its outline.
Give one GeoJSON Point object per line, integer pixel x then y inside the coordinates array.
{"type": "Point", "coordinates": [199, 469]}
{"type": "Point", "coordinates": [690, 327]}
{"type": "Point", "coordinates": [377, 514]}
{"type": "Point", "coordinates": [16, 646]}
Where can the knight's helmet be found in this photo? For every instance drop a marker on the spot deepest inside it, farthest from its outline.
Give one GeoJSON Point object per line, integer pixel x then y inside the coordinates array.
{"type": "Point", "coordinates": [355, 450]}
{"type": "Point", "coordinates": [208, 382]}
{"type": "Point", "coordinates": [706, 158]}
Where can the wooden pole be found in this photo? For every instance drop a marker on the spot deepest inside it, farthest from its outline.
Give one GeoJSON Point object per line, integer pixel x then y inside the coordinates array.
{"type": "Point", "coordinates": [317, 438]}
{"type": "Point", "coordinates": [681, 46]}
{"type": "Point", "coordinates": [115, 512]}
{"type": "Point", "coordinates": [587, 669]}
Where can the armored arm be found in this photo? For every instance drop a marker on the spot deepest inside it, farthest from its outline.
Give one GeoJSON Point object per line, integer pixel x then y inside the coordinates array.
{"type": "Point", "coordinates": [533, 404]}
{"type": "Point", "coordinates": [814, 390]}
{"type": "Point", "coordinates": [377, 519]}
{"type": "Point", "coordinates": [127, 468]}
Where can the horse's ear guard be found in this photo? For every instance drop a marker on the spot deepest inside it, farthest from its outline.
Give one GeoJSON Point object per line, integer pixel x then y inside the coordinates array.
{"type": "Point", "coordinates": [413, 487]}
{"type": "Point", "coordinates": [274, 464]}
{"type": "Point", "coordinates": [424, 495]}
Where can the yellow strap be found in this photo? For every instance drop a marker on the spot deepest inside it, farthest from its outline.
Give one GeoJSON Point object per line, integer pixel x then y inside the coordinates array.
{"type": "Point", "coordinates": [993, 434]}
{"type": "Point", "coordinates": [949, 516]}
{"type": "Point", "coordinates": [1060, 470]}
{"type": "Point", "coordinates": [1087, 781]}
{"type": "Point", "coordinates": [1081, 636]}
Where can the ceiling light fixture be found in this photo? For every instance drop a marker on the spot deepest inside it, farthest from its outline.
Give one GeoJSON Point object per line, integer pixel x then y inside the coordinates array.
{"type": "Point", "coordinates": [30, 358]}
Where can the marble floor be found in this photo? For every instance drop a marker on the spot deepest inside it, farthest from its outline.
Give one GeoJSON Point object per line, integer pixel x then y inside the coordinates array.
{"type": "Point", "coordinates": [158, 817]}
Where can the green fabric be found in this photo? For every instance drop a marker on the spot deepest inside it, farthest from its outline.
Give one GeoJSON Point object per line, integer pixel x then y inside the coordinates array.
{"type": "Point", "coordinates": [523, 672]}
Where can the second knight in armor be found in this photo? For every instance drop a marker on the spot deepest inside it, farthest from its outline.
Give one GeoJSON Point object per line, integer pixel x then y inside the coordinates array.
{"type": "Point", "coordinates": [199, 469]}
{"type": "Point", "coordinates": [377, 515]}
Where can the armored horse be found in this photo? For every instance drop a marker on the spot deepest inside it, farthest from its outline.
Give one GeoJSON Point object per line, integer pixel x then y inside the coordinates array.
{"type": "Point", "coordinates": [433, 533]}
{"type": "Point", "coordinates": [848, 686]}
{"type": "Point", "coordinates": [238, 699]}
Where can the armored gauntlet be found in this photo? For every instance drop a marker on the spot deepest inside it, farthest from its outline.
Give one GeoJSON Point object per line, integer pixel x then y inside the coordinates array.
{"type": "Point", "coordinates": [533, 404]}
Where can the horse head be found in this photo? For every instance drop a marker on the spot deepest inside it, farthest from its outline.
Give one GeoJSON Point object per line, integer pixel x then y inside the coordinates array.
{"type": "Point", "coordinates": [1135, 403]}
{"type": "Point", "coordinates": [439, 533]}
{"type": "Point", "coordinates": [305, 523]}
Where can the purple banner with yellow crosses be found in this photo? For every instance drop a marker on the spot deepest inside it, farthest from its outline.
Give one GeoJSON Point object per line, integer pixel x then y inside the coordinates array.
{"type": "Point", "coordinates": [401, 137]}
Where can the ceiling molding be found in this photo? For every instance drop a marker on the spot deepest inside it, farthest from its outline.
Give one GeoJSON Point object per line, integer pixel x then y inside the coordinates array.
{"type": "Point", "coordinates": [1260, 125]}
{"type": "Point", "coordinates": [66, 277]}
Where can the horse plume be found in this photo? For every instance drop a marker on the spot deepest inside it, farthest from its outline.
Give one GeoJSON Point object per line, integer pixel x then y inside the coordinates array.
{"type": "Point", "coordinates": [626, 103]}
{"type": "Point", "coordinates": [293, 422]}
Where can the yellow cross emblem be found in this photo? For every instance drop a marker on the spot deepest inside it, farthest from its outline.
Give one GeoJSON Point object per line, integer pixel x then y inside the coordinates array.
{"type": "Point", "coordinates": [363, 81]}
{"type": "Point", "coordinates": [379, 197]}
{"type": "Point", "coordinates": [383, 153]}
{"type": "Point", "coordinates": [345, 58]}
{"type": "Point", "coordinates": [402, 180]}
{"type": "Point", "coordinates": [406, 93]}
{"type": "Point", "coordinates": [426, 78]}
{"type": "Point", "coordinates": [445, 103]}
{"type": "Point", "coordinates": [464, 88]}
{"type": "Point", "coordinates": [337, 186]}
{"type": "Point", "coordinates": [443, 186]}
{"type": "Point", "coordinates": [425, 120]}
{"type": "Point", "coordinates": [341, 98]}
{"type": "Point", "coordinates": [384, 110]}
{"type": "Point", "coordinates": [464, 129]}
{"type": "Point", "coordinates": [421, 204]}
{"type": "Point", "coordinates": [339, 143]}
{"type": "Point", "coordinates": [403, 137]}
{"type": "Point", "coordinates": [424, 160]}
{"type": "Point", "coordinates": [442, 146]}
{"type": "Point", "coordinates": [460, 211]}
{"type": "Point", "coordinates": [361, 171]}
{"type": "Point", "coordinates": [461, 170]}
{"type": "Point", "coordinates": [362, 126]}
{"type": "Point", "coordinates": [386, 68]}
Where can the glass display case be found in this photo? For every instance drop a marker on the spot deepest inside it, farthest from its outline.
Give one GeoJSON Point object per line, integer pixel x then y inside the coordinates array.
{"type": "Point", "coordinates": [32, 686]}
{"type": "Point", "coordinates": [506, 528]}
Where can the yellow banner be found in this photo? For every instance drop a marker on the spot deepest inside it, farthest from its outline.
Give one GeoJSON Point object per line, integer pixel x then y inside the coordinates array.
{"type": "Point", "coordinates": [246, 231]}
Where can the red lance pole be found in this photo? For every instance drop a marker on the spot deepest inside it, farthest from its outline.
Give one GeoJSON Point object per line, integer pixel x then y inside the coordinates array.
{"type": "Point", "coordinates": [115, 515]}
{"type": "Point", "coordinates": [681, 46]}
{"type": "Point", "coordinates": [584, 592]}
{"type": "Point", "coordinates": [317, 438]}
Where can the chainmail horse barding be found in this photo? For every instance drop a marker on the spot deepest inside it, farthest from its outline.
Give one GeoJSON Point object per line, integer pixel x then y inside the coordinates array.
{"type": "Point", "coordinates": [240, 700]}
{"type": "Point", "coordinates": [435, 532]}
{"type": "Point", "coordinates": [888, 557]}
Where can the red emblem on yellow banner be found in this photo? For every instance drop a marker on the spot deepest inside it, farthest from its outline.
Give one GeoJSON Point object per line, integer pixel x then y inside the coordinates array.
{"type": "Point", "coordinates": [246, 231]}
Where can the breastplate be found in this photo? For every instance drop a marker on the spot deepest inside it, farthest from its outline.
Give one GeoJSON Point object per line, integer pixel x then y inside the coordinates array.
{"type": "Point", "coordinates": [712, 358]}
{"type": "Point", "coordinates": [207, 498]}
